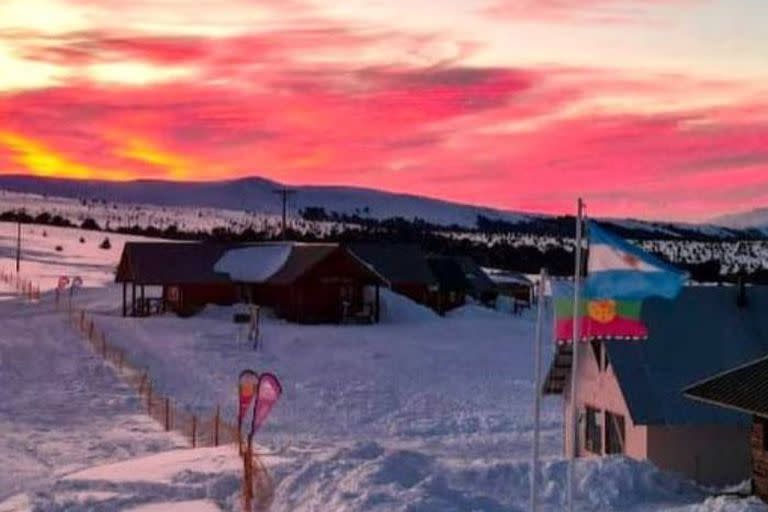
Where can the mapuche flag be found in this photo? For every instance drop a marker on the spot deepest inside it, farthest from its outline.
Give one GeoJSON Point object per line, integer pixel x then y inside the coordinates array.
{"type": "Point", "coordinates": [619, 277]}
{"type": "Point", "coordinates": [600, 319]}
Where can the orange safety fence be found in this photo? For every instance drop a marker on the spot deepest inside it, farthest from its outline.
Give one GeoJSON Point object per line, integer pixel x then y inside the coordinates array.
{"type": "Point", "coordinates": [199, 429]}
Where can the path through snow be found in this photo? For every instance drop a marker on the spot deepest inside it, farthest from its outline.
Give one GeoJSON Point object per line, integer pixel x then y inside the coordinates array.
{"type": "Point", "coordinates": [61, 408]}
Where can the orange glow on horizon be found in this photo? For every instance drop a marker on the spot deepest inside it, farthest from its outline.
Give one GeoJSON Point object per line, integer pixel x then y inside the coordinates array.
{"type": "Point", "coordinates": [39, 160]}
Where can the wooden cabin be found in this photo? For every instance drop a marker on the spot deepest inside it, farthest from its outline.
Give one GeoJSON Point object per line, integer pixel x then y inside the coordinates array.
{"type": "Point", "coordinates": [514, 285]}
{"type": "Point", "coordinates": [306, 283]}
{"type": "Point", "coordinates": [481, 287]}
{"type": "Point", "coordinates": [180, 275]}
{"type": "Point", "coordinates": [630, 393]}
{"type": "Point", "coordinates": [743, 389]}
{"type": "Point", "coordinates": [403, 265]}
{"type": "Point", "coordinates": [453, 287]}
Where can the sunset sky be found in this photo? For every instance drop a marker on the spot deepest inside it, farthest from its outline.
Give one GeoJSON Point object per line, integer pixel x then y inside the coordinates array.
{"type": "Point", "coordinates": [647, 108]}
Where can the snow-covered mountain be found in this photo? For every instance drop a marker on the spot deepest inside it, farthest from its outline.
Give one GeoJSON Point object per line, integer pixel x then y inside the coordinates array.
{"type": "Point", "coordinates": [753, 219]}
{"type": "Point", "coordinates": [257, 195]}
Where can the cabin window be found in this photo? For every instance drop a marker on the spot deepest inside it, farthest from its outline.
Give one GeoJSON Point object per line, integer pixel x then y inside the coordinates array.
{"type": "Point", "coordinates": [614, 433]}
{"type": "Point", "coordinates": [594, 431]}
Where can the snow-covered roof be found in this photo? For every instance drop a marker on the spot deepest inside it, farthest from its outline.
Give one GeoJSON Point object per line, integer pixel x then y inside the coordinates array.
{"type": "Point", "coordinates": [499, 276]}
{"type": "Point", "coordinates": [254, 264]}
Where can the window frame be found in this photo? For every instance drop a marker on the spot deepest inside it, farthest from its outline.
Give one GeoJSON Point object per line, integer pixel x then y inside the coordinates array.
{"type": "Point", "coordinates": [593, 433]}
{"type": "Point", "coordinates": [622, 438]}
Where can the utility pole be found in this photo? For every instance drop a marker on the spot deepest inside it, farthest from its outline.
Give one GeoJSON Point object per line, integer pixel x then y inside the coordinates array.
{"type": "Point", "coordinates": [284, 192]}
{"type": "Point", "coordinates": [18, 242]}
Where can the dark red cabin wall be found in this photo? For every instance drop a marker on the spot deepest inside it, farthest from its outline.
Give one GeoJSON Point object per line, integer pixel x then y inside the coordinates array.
{"type": "Point", "coordinates": [317, 296]}
{"type": "Point", "coordinates": [202, 294]}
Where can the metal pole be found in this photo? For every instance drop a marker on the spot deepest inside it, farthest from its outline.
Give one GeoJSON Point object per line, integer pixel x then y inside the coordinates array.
{"type": "Point", "coordinates": [18, 245]}
{"type": "Point", "coordinates": [285, 210]}
{"type": "Point", "coordinates": [575, 358]}
{"type": "Point", "coordinates": [537, 390]}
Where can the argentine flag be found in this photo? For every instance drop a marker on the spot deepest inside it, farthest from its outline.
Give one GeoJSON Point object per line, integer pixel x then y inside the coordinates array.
{"type": "Point", "coordinates": [618, 270]}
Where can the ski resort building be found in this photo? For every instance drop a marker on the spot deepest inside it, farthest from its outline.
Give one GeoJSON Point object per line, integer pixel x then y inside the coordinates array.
{"type": "Point", "coordinates": [404, 266]}
{"type": "Point", "coordinates": [307, 283]}
{"type": "Point", "coordinates": [181, 272]}
{"type": "Point", "coordinates": [743, 389]}
{"type": "Point", "coordinates": [453, 287]}
{"type": "Point", "coordinates": [481, 287]}
{"type": "Point", "coordinates": [630, 393]}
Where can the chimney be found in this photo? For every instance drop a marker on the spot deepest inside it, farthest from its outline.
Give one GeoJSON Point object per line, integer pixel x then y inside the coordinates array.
{"type": "Point", "coordinates": [741, 293]}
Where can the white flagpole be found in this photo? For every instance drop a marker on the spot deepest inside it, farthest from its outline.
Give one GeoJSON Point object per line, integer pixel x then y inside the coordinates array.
{"type": "Point", "coordinates": [575, 358]}
{"type": "Point", "coordinates": [537, 390]}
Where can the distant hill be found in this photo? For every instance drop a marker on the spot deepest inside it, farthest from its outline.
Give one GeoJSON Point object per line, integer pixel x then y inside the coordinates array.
{"type": "Point", "coordinates": [754, 219]}
{"type": "Point", "coordinates": [357, 205]}
{"type": "Point", "coordinates": [256, 194]}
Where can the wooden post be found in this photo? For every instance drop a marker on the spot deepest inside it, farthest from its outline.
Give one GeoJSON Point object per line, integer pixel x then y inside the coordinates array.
{"type": "Point", "coordinates": [167, 414]}
{"type": "Point", "coordinates": [133, 299]}
{"type": "Point", "coordinates": [125, 298]}
{"type": "Point", "coordinates": [378, 305]}
{"type": "Point", "coordinates": [248, 477]}
{"type": "Point", "coordinates": [90, 330]}
{"type": "Point", "coordinates": [142, 382]}
{"type": "Point", "coordinates": [149, 399]}
{"type": "Point", "coordinates": [216, 426]}
{"type": "Point", "coordinates": [194, 431]}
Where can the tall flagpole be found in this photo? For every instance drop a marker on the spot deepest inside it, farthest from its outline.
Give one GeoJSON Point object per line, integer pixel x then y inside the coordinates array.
{"type": "Point", "coordinates": [575, 358]}
{"type": "Point", "coordinates": [537, 390]}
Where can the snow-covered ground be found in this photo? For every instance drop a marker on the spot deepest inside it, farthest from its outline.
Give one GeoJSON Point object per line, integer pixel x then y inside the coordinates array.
{"type": "Point", "coordinates": [60, 408]}
{"type": "Point", "coordinates": [418, 413]}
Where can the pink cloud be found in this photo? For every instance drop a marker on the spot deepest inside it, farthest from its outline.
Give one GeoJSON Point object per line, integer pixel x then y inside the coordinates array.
{"type": "Point", "coordinates": [418, 131]}
{"type": "Point", "coordinates": [600, 11]}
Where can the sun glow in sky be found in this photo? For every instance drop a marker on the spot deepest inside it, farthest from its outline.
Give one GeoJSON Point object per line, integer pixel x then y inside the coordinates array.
{"type": "Point", "coordinates": [646, 108]}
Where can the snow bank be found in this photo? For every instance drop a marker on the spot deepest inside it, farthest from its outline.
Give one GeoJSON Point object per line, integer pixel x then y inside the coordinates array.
{"type": "Point", "coordinates": [253, 264]}
{"type": "Point", "coordinates": [476, 312]}
{"type": "Point", "coordinates": [370, 476]}
{"type": "Point", "coordinates": [396, 308]}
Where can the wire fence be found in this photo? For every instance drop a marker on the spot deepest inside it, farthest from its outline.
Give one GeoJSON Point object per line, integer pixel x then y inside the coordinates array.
{"type": "Point", "coordinates": [23, 287]}
{"type": "Point", "coordinates": [200, 430]}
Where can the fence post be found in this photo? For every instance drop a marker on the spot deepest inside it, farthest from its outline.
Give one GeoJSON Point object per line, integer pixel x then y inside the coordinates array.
{"type": "Point", "coordinates": [90, 330]}
{"type": "Point", "coordinates": [216, 426]}
{"type": "Point", "coordinates": [167, 414]}
{"type": "Point", "coordinates": [142, 382]}
{"type": "Point", "coordinates": [194, 431]}
{"type": "Point", "coordinates": [149, 398]}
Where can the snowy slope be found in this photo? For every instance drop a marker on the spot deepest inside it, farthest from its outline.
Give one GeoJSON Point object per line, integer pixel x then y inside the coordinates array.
{"type": "Point", "coordinates": [256, 195]}
{"type": "Point", "coordinates": [60, 408]}
{"type": "Point", "coordinates": [757, 219]}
